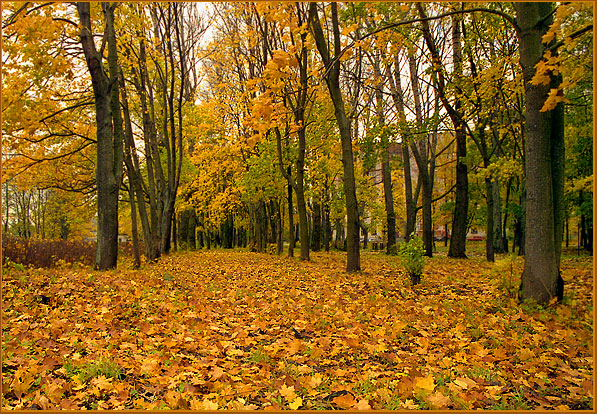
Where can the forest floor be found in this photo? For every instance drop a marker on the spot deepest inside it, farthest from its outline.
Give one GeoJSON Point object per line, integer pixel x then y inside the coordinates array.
{"type": "Point", "coordinates": [232, 330]}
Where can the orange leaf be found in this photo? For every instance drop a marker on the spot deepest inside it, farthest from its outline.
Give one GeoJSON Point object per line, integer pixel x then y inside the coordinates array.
{"type": "Point", "coordinates": [426, 384]}
{"type": "Point", "coordinates": [438, 401]}
{"type": "Point", "coordinates": [344, 401]}
{"type": "Point", "coordinates": [362, 405]}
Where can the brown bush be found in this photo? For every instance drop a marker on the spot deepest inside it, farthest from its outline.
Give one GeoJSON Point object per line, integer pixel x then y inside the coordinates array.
{"type": "Point", "coordinates": [46, 253]}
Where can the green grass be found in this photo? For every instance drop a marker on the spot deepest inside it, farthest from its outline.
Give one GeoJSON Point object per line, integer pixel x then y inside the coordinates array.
{"type": "Point", "coordinates": [100, 367]}
{"type": "Point", "coordinates": [259, 355]}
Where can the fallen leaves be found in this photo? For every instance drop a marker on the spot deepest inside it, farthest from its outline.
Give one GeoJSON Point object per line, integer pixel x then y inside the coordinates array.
{"type": "Point", "coordinates": [424, 384]}
{"type": "Point", "coordinates": [247, 331]}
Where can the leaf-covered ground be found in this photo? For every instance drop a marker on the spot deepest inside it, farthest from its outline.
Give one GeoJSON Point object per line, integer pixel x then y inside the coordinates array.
{"type": "Point", "coordinates": [234, 330]}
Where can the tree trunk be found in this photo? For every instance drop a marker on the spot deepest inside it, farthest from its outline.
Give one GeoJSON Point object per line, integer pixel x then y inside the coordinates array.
{"type": "Point", "coordinates": [489, 231]}
{"type": "Point", "coordinates": [174, 238]}
{"type": "Point", "coordinates": [327, 226]}
{"type": "Point", "coordinates": [301, 205]}
{"type": "Point", "coordinates": [316, 234]}
{"type": "Point", "coordinates": [279, 229]}
{"type": "Point", "coordinates": [353, 258]}
{"type": "Point", "coordinates": [191, 230]}
{"type": "Point", "coordinates": [134, 235]}
{"type": "Point", "coordinates": [109, 135]}
{"type": "Point", "coordinates": [290, 221]}
{"type": "Point", "coordinates": [544, 163]}
{"type": "Point", "coordinates": [460, 221]}
{"type": "Point", "coordinates": [386, 172]}
{"type": "Point", "coordinates": [425, 165]}
{"type": "Point", "coordinates": [499, 242]}
{"type": "Point", "coordinates": [398, 98]}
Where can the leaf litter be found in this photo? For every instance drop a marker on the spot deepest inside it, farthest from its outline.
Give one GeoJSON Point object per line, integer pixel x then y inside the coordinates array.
{"type": "Point", "coordinates": [238, 330]}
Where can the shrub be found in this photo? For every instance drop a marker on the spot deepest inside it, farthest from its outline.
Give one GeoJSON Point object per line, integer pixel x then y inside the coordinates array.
{"type": "Point", "coordinates": [412, 259]}
{"type": "Point", "coordinates": [46, 253]}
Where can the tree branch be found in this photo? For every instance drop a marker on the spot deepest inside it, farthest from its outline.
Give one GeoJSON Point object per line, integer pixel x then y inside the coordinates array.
{"type": "Point", "coordinates": [503, 15]}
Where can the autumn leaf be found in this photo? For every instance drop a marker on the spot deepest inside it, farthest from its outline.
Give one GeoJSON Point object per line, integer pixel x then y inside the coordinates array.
{"type": "Point", "coordinates": [149, 366]}
{"type": "Point", "coordinates": [525, 354]}
{"type": "Point", "coordinates": [315, 380]}
{"type": "Point", "coordinates": [346, 400]}
{"type": "Point", "coordinates": [464, 383]}
{"type": "Point", "coordinates": [363, 405]}
{"type": "Point", "coordinates": [216, 373]}
{"type": "Point", "coordinates": [438, 401]}
{"type": "Point", "coordinates": [103, 383]}
{"type": "Point", "coordinates": [295, 403]}
{"type": "Point", "coordinates": [424, 384]}
{"type": "Point", "coordinates": [22, 382]}
{"type": "Point", "coordinates": [287, 392]}
{"type": "Point", "coordinates": [409, 404]}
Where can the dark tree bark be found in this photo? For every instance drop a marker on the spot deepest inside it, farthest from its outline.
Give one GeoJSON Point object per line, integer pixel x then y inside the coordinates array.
{"type": "Point", "coordinates": [353, 258]}
{"type": "Point", "coordinates": [316, 233]}
{"type": "Point", "coordinates": [459, 222]}
{"type": "Point", "coordinates": [544, 163]}
{"type": "Point", "coordinates": [191, 230]}
{"type": "Point", "coordinates": [386, 172]}
{"type": "Point", "coordinates": [489, 231]}
{"type": "Point", "coordinates": [134, 235]}
{"type": "Point", "coordinates": [109, 134]}
{"type": "Point", "coordinates": [327, 227]}
{"type": "Point", "coordinates": [410, 200]}
{"type": "Point", "coordinates": [279, 229]}
{"type": "Point", "coordinates": [290, 220]}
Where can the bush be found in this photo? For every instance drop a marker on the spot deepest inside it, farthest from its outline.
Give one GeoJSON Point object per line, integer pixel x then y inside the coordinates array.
{"type": "Point", "coordinates": [412, 258]}
{"type": "Point", "coordinates": [46, 253]}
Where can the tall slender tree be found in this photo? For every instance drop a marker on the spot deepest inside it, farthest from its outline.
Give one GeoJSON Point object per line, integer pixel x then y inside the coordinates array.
{"type": "Point", "coordinates": [332, 79]}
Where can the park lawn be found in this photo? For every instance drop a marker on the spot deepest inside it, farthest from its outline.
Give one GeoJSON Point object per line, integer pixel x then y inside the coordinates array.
{"type": "Point", "coordinates": [232, 329]}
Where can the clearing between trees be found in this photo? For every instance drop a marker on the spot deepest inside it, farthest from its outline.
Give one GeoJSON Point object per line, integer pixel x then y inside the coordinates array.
{"type": "Point", "coordinates": [232, 330]}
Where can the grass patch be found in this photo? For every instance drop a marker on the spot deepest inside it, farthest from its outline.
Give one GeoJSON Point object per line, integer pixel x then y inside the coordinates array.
{"type": "Point", "coordinates": [101, 367]}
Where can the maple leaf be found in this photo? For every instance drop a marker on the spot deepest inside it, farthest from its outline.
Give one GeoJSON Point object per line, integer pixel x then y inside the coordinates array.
{"type": "Point", "coordinates": [287, 392]}
{"type": "Point", "coordinates": [316, 380]}
{"type": "Point", "coordinates": [345, 400]}
{"type": "Point", "coordinates": [296, 403]}
{"type": "Point", "coordinates": [22, 382]}
{"type": "Point", "coordinates": [103, 383]}
{"type": "Point", "coordinates": [54, 391]}
{"type": "Point", "coordinates": [424, 384]}
{"type": "Point", "coordinates": [363, 405]}
{"type": "Point", "coordinates": [149, 366]}
{"type": "Point", "coordinates": [438, 401]}
{"type": "Point", "coordinates": [525, 354]}
{"type": "Point", "coordinates": [216, 373]}
{"type": "Point", "coordinates": [409, 405]}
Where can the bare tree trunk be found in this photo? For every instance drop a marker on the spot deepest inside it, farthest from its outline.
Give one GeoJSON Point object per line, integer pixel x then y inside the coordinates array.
{"type": "Point", "coordinates": [109, 134]}
{"type": "Point", "coordinates": [290, 221]}
{"type": "Point", "coordinates": [398, 98]}
{"type": "Point", "coordinates": [460, 220]}
{"type": "Point", "coordinates": [386, 172]}
{"type": "Point", "coordinates": [316, 233]}
{"type": "Point", "coordinates": [353, 258]}
{"type": "Point", "coordinates": [134, 235]}
{"type": "Point", "coordinates": [544, 163]}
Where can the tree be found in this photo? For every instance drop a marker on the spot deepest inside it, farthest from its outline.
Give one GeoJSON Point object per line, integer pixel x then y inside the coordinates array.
{"type": "Point", "coordinates": [109, 133]}
{"type": "Point", "coordinates": [459, 223]}
{"type": "Point", "coordinates": [544, 161]}
{"type": "Point", "coordinates": [332, 78]}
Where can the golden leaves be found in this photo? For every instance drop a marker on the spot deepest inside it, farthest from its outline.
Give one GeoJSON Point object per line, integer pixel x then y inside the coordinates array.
{"type": "Point", "coordinates": [438, 401]}
{"type": "Point", "coordinates": [424, 384]}
{"type": "Point", "coordinates": [228, 302]}
{"type": "Point", "coordinates": [22, 381]}
{"type": "Point", "coordinates": [296, 403]}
